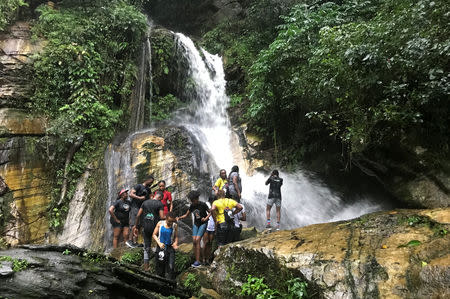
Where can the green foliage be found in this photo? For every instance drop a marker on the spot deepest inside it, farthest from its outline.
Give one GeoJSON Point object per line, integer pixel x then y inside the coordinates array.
{"type": "Point", "coordinates": [240, 41]}
{"type": "Point", "coordinates": [134, 257]}
{"type": "Point", "coordinates": [355, 71]}
{"type": "Point", "coordinates": [83, 79]}
{"type": "Point", "coordinates": [192, 283]}
{"type": "Point", "coordinates": [256, 288]}
{"type": "Point", "coordinates": [412, 243]}
{"type": "Point", "coordinates": [182, 261]}
{"type": "Point", "coordinates": [92, 257]}
{"type": "Point", "coordinates": [296, 289]}
{"type": "Point", "coordinates": [17, 264]}
{"type": "Point", "coordinates": [66, 252]}
{"type": "Point", "coordinates": [162, 107]}
{"type": "Point", "coordinates": [8, 10]}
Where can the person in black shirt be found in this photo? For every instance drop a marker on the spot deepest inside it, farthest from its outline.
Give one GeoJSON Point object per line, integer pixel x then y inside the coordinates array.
{"type": "Point", "coordinates": [138, 194]}
{"type": "Point", "coordinates": [152, 211]}
{"type": "Point", "coordinates": [201, 216]}
{"type": "Point", "coordinates": [274, 197]}
{"type": "Point", "coordinates": [119, 212]}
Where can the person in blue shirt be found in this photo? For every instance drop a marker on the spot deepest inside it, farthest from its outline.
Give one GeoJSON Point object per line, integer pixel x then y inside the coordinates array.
{"type": "Point", "coordinates": [166, 236]}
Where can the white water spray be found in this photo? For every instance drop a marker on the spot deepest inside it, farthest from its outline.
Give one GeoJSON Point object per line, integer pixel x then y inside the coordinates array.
{"type": "Point", "coordinates": [305, 199]}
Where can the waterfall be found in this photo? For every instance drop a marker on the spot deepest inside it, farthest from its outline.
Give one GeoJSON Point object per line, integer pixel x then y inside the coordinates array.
{"type": "Point", "coordinates": [305, 199]}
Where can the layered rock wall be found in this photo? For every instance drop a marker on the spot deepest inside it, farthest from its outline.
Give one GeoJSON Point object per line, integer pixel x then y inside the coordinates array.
{"type": "Point", "coordinates": [23, 165]}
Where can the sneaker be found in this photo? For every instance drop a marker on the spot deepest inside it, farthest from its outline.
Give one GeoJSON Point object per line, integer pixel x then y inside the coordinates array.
{"type": "Point", "coordinates": [196, 264]}
{"type": "Point", "coordinates": [130, 244]}
{"type": "Point", "coordinates": [278, 226]}
{"type": "Point", "coordinates": [268, 225]}
{"type": "Point", "coordinates": [138, 245]}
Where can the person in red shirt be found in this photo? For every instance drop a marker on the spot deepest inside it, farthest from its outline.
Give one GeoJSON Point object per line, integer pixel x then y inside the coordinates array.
{"type": "Point", "coordinates": [167, 197]}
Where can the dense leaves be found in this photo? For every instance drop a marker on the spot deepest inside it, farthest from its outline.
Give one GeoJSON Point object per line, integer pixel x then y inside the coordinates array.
{"type": "Point", "coordinates": [84, 76]}
{"type": "Point", "coordinates": [369, 73]}
{"type": "Point", "coordinates": [8, 10]}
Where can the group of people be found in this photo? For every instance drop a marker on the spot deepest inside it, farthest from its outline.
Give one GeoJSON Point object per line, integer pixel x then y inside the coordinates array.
{"type": "Point", "coordinates": [151, 214]}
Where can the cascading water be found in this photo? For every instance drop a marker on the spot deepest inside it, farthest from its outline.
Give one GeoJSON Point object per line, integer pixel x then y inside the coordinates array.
{"type": "Point", "coordinates": [305, 200]}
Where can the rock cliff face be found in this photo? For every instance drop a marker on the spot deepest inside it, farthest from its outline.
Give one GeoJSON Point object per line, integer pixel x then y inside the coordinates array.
{"type": "Point", "coordinates": [23, 167]}
{"type": "Point", "coordinates": [397, 254]}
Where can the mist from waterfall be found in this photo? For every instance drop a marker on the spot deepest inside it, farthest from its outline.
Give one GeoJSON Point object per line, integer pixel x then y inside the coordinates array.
{"type": "Point", "coordinates": [305, 199]}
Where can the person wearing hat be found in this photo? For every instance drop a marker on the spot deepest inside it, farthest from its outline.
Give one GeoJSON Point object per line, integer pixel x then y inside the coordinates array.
{"type": "Point", "coordinates": [119, 212]}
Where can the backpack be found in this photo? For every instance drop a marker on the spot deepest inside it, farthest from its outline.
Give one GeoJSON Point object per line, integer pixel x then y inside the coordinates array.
{"type": "Point", "coordinates": [229, 217]}
{"type": "Point", "coordinates": [149, 222]}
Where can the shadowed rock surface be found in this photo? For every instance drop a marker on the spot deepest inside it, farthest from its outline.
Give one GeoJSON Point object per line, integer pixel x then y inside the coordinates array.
{"type": "Point", "coordinates": [71, 272]}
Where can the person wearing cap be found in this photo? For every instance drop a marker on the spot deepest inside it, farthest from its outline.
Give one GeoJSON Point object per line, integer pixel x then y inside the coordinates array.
{"type": "Point", "coordinates": [119, 212]}
{"type": "Point", "coordinates": [138, 195]}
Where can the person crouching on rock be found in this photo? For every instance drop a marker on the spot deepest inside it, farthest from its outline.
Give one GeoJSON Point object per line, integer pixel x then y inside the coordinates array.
{"type": "Point", "coordinates": [223, 214]}
{"type": "Point", "coordinates": [152, 212]}
{"type": "Point", "coordinates": [166, 236]}
{"type": "Point", "coordinates": [119, 212]}
{"type": "Point", "coordinates": [200, 211]}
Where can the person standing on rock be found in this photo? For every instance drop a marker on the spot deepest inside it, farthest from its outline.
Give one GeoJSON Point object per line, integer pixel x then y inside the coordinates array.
{"type": "Point", "coordinates": [221, 182]}
{"type": "Point", "coordinates": [166, 236]}
{"type": "Point", "coordinates": [208, 237]}
{"type": "Point", "coordinates": [223, 214]}
{"type": "Point", "coordinates": [200, 211]}
{"type": "Point", "coordinates": [234, 185]}
{"type": "Point", "coordinates": [152, 213]}
{"type": "Point", "coordinates": [138, 194]}
{"type": "Point", "coordinates": [274, 197]}
{"type": "Point", "coordinates": [167, 197]}
{"type": "Point", "coordinates": [119, 212]}
{"type": "Point", "coordinates": [237, 227]}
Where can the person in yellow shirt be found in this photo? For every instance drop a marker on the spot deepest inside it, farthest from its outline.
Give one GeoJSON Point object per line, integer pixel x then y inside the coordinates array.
{"type": "Point", "coordinates": [221, 182]}
{"type": "Point", "coordinates": [223, 214]}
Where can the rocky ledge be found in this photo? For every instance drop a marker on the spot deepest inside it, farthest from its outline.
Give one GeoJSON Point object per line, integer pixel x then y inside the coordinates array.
{"type": "Point", "coordinates": [71, 272]}
{"type": "Point", "coordinates": [396, 254]}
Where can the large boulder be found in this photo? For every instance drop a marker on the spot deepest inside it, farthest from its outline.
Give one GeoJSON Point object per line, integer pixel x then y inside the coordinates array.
{"type": "Point", "coordinates": [397, 254]}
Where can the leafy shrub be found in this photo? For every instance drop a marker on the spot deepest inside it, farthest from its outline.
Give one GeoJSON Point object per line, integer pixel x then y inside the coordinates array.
{"type": "Point", "coordinates": [8, 10]}
{"type": "Point", "coordinates": [182, 261]}
{"type": "Point", "coordinates": [134, 257]}
{"type": "Point", "coordinates": [17, 264]}
{"type": "Point", "coordinates": [256, 288]}
{"type": "Point", "coordinates": [192, 283]}
{"type": "Point", "coordinates": [83, 79]}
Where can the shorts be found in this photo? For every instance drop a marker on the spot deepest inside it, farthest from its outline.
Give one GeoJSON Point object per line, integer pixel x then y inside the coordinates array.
{"type": "Point", "coordinates": [122, 224]}
{"type": "Point", "coordinates": [133, 213]}
{"type": "Point", "coordinates": [223, 234]}
{"type": "Point", "coordinates": [272, 201]}
{"type": "Point", "coordinates": [198, 231]}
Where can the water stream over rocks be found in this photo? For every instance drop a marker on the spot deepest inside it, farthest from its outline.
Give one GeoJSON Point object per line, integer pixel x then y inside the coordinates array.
{"type": "Point", "coordinates": [306, 200]}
